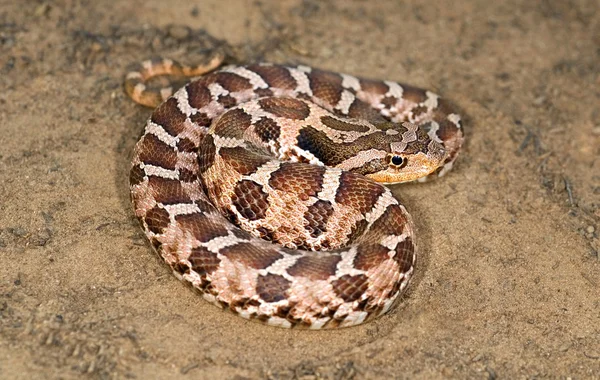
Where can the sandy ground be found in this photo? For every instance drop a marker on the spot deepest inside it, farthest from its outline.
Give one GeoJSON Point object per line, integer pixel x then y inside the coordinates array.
{"type": "Point", "coordinates": [508, 278]}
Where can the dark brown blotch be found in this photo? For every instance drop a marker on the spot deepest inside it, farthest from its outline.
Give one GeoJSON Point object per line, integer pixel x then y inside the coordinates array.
{"type": "Point", "coordinates": [200, 226]}
{"type": "Point", "coordinates": [252, 303]}
{"type": "Point", "coordinates": [298, 178]}
{"type": "Point", "coordinates": [376, 87]}
{"type": "Point", "coordinates": [198, 95]}
{"type": "Point", "coordinates": [227, 101]}
{"type": "Point", "coordinates": [340, 125]}
{"type": "Point", "coordinates": [186, 175]}
{"type": "Point", "coordinates": [405, 253]}
{"type": "Point", "coordinates": [283, 311]}
{"type": "Point", "coordinates": [357, 230]}
{"type": "Point", "coordinates": [358, 192]}
{"type": "Point", "coordinates": [389, 101]}
{"type": "Point", "coordinates": [205, 206]}
{"type": "Point", "coordinates": [350, 288]}
{"type": "Point", "coordinates": [413, 94]}
{"type": "Point", "coordinates": [391, 222]}
{"type": "Point", "coordinates": [169, 116]}
{"type": "Point", "coordinates": [155, 152]}
{"type": "Point", "coordinates": [370, 256]}
{"type": "Point", "coordinates": [201, 119]}
{"type": "Point", "coordinates": [315, 267]}
{"type": "Point", "coordinates": [322, 147]}
{"type": "Point", "coordinates": [362, 110]}
{"type": "Point", "coordinates": [447, 130]}
{"type": "Point", "coordinates": [263, 92]}
{"type": "Point", "coordinates": [419, 110]}
{"type": "Point", "coordinates": [232, 82]}
{"type": "Point", "coordinates": [241, 234]}
{"type": "Point", "coordinates": [272, 287]}
{"type": "Point", "coordinates": [304, 96]}
{"type": "Point", "coordinates": [186, 145]}
{"type": "Point", "coordinates": [317, 216]}
{"type": "Point", "coordinates": [233, 124]}
{"type": "Point", "coordinates": [136, 175]}
{"type": "Point", "coordinates": [249, 254]}
{"type": "Point", "coordinates": [326, 86]}
{"type": "Point", "coordinates": [243, 160]}
{"type": "Point", "coordinates": [167, 191]}
{"type": "Point", "coordinates": [157, 219]}
{"type": "Point", "coordinates": [250, 200]}
{"type": "Point", "coordinates": [289, 108]}
{"type": "Point", "coordinates": [206, 153]}
{"type": "Point", "coordinates": [267, 129]}
{"type": "Point", "coordinates": [275, 76]}
{"type": "Point", "coordinates": [203, 261]}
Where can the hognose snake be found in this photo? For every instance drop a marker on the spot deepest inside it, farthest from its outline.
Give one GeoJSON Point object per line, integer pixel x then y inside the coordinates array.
{"type": "Point", "coordinates": [248, 156]}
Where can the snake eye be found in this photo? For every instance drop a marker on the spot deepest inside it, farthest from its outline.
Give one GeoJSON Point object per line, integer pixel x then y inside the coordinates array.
{"type": "Point", "coordinates": [397, 160]}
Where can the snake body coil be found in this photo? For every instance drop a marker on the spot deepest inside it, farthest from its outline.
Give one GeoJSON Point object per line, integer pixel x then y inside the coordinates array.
{"type": "Point", "coordinates": [249, 156]}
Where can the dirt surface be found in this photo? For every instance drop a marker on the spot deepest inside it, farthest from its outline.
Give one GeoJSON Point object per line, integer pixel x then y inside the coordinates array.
{"type": "Point", "coordinates": [507, 284]}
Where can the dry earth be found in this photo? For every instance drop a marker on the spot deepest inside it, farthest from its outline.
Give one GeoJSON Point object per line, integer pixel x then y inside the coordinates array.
{"type": "Point", "coordinates": [507, 284]}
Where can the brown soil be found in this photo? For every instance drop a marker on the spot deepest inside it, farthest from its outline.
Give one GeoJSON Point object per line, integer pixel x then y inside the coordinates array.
{"type": "Point", "coordinates": [508, 277]}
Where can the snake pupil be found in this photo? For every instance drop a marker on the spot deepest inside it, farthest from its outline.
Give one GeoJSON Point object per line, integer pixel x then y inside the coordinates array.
{"type": "Point", "coordinates": [397, 160]}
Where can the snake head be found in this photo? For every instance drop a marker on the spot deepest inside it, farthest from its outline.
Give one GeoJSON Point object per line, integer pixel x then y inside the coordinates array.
{"type": "Point", "coordinates": [415, 155]}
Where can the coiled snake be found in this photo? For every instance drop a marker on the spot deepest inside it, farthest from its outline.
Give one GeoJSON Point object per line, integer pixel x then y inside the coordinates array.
{"type": "Point", "coordinates": [260, 185]}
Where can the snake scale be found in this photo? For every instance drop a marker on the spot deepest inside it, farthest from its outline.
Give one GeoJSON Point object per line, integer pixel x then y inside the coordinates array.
{"type": "Point", "coordinates": [262, 186]}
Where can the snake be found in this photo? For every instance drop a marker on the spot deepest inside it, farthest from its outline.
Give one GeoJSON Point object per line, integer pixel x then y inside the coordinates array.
{"type": "Point", "coordinates": [263, 186]}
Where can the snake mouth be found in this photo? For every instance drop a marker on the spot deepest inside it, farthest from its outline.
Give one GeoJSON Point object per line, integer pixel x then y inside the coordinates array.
{"type": "Point", "coordinates": [391, 178]}
{"type": "Point", "coordinates": [415, 167]}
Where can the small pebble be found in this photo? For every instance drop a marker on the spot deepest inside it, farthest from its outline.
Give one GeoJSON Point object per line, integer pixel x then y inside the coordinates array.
{"type": "Point", "coordinates": [539, 100]}
{"type": "Point", "coordinates": [590, 229]}
{"type": "Point", "coordinates": [42, 10]}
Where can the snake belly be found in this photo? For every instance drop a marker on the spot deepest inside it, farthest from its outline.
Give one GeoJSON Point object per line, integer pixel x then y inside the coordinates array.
{"type": "Point", "coordinates": [257, 185]}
